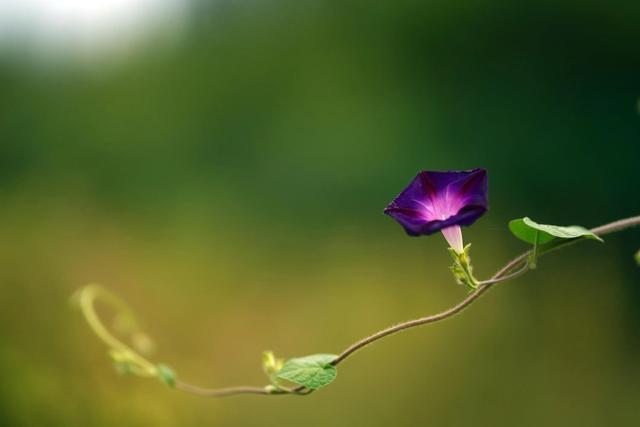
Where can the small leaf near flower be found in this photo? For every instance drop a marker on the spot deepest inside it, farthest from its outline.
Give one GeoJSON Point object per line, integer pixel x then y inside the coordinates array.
{"type": "Point", "coordinates": [313, 372]}
{"type": "Point", "coordinates": [637, 257]}
{"type": "Point", "coordinates": [526, 229]}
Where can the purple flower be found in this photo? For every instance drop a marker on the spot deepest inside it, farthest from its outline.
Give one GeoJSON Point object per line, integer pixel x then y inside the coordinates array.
{"type": "Point", "coordinates": [441, 201]}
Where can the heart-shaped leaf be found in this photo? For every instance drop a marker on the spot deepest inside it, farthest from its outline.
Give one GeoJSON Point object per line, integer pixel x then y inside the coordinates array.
{"type": "Point", "coordinates": [526, 229]}
{"type": "Point", "coordinates": [313, 371]}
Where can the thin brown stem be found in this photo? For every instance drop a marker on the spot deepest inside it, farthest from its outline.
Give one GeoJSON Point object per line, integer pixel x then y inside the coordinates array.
{"type": "Point", "coordinates": [616, 226]}
{"type": "Point", "coordinates": [231, 391]}
{"type": "Point", "coordinates": [502, 275]}
{"type": "Point", "coordinates": [412, 323]}
{"type": "Point", "coordinates": [505, 273]}
{"type": "Point", "coordinates": [509, 276]}
{"type": "Point", "coordinates": [219, 392]}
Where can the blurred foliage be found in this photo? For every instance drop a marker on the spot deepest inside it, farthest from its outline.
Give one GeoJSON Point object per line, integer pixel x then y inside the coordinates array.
{"type": "Point", "coordinates": [231, 189]}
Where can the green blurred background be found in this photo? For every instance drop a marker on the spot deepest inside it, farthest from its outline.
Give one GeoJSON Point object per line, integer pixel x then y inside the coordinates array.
{"type": "Point", "coordinates": [228, 181]}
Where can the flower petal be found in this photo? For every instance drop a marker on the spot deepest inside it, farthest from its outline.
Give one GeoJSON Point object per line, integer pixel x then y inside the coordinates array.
{"type": "Point", "coordinates": [415, 197]}
{"type": "Point", "coordinates": [412, 220]}
{"type": "Point", "coordinates": [437, 200]}
{"type": "Point", "coordinates": [471, 188]}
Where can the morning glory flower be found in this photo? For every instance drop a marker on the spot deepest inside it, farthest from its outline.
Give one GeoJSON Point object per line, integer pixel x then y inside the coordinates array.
{"type": "Point", "coordinates": [441, 201]}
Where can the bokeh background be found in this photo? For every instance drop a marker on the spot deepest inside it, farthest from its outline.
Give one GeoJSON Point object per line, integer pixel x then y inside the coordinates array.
{"type": "Point", "coordinates": [223, 167]}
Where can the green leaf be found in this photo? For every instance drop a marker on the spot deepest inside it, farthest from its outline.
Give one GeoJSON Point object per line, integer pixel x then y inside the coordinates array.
{"type": "Point", "coordinates": [637, 257]}
{"type": "Point", "coordinates": [313, 371]}
{"type": "Point", "coordinates": [166, 375]}
{"type": "Point", "coordinates": [526, 229]}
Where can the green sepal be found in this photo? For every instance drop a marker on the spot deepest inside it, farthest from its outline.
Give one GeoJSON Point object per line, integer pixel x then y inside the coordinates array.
{"type": "Point", "coordinates": [462, 269]}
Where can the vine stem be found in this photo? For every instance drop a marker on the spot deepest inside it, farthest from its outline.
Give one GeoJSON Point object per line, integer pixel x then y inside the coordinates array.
{"type": "Point", "coordinates": [483, 286]}
{"type": "Point", "coordinates": [507, 272]}
{"type": "Point", "coordinates": [513, 269]}
{"type": "Point", "coordinates": [219, 392]}
{"type": "Point", "coordinates": [504, 274]}
{"type": "Point", "coordinates": [86, 298]}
